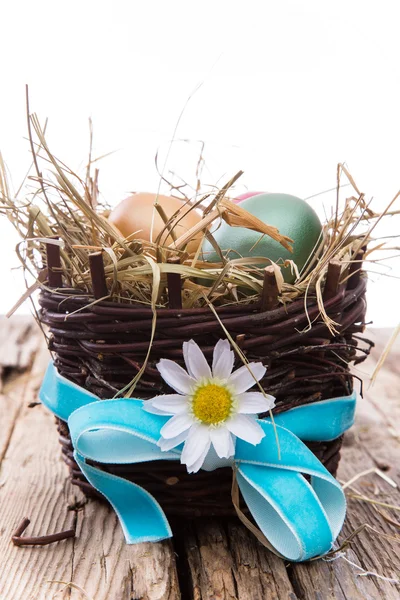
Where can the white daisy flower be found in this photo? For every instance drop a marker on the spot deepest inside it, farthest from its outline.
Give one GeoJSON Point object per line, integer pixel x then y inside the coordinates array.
{"type": "Point", "coordinates": [211, 406]}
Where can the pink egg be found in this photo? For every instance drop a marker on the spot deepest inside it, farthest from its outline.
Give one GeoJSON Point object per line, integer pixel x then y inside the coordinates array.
{"type": "Point", "coordinates": [245, 196]}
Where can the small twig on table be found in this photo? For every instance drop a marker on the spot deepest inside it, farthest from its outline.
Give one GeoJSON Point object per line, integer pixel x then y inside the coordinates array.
{"type": "Point", "coordinates": [367, 472]}
{"type": "Point", "coordinates": [19, 540]}
{"type": "Point", "coordinates": [21, 527]}
{"type": "Point", "coordinates": [70, 584]}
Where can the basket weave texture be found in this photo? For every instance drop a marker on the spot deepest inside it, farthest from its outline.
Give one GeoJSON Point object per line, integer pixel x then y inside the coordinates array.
{"type": "Point", "coordinates": [102, 346]}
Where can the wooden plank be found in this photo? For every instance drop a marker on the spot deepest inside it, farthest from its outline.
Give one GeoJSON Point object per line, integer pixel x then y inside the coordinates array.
{"type": "Point", "coordinates": [106, 567]}
{"type": "Point", "coordinates": [226, 562]}
{"type": "Point", "coordinates": [11, 399]}
{"type": "Point", "coordinates": [368, 445]}
{"type": "Point", "coordinates": [19, 340]}
{"type": "Point", "coordinates": [34, 484]}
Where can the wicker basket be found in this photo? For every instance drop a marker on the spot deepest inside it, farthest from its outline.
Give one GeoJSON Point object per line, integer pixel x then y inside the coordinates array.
{"type": "Point", "coordinates": [103, 345]}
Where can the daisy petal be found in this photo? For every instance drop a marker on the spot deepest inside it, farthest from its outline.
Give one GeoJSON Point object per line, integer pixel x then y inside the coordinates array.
{"type": "Point", "coordinates": [246, 428]}
{"type": "Point", "coordinates": [196, 466]}
{"type": "Point", "coordinates": [197, 441]}
{"type": "Point", "coordinates": [148, 407]}
{"type": "Point", "coordinates": [166, 445]}
{"type": "Point", "coordinates": [170, 404]}
{"type": "Point", "coordinates": [223, 364]}
{"type": "Point", "coordinates": [243, 379]}
{"type": "Point", "coordinates": [195, 360]}
{"type": "Point", "coordinates": [220, 347]}
{"type": "Point", "coordinates": [255, 403]}
{"type": "Point", "coordinates": [185, 348]}
{"type": "Point", "coordinates": [232, 440]}
{"type": "Point", "coordinates": [178, 424]}
{"type": "Point", "coordinates": [221, 439]}
{"type": "Point", "coordinates": [175, 376]}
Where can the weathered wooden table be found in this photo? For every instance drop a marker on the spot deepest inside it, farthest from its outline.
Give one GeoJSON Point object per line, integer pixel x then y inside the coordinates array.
{"type": "Point", "coordinates": [210, 560]}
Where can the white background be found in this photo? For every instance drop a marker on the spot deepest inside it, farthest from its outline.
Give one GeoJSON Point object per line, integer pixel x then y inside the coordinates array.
{"type": "Point", "coordinates": [289, 89]}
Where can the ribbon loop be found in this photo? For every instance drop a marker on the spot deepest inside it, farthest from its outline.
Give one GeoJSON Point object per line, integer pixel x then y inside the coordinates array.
{"type": "Point", "coordinates": [117, 431]}
{"type": "Point", "coordinates": [287, 510]}
{"type": "Point", "coordinates": [62, 396]}
{"type": "Point", "coordinates": [299, 518]}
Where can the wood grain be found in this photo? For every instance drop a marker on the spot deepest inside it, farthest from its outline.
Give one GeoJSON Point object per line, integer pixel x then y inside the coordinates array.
{"type": "Point", "coordinates": [106, 567]}
{"type": "Point", "coordinates": [369, 444]}
{"type": "Point", "coordinates": [208, 560]}
{"type": "Point", "coordinates": [34, 484]}
{"type": "Point", "coordinates": [224, 562]}
{"type": "Point", "coordinates": [19, 340]}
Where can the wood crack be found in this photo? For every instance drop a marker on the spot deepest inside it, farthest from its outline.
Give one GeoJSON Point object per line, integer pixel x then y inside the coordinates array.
{"type": "Point", "coordinates": [74, 527]}
{"type": "Point", "coordinates": [7, 441]}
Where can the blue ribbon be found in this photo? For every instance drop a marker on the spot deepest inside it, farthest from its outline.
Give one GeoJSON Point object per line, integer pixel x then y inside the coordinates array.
{"type": "Point", "coordinates": [300, 519]}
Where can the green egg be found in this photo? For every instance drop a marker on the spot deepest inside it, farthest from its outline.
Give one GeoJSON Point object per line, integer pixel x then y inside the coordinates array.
{"type": "Point", "coordinates": [292, 217]}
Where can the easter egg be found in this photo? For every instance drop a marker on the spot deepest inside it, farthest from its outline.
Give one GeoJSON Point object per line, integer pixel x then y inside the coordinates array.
{"type": "Point", "coordinates": [134, 216]}
{"type": "Point", "coordinates": [292, 217]}
{"type": "Point", "coordinates": [245, 196]}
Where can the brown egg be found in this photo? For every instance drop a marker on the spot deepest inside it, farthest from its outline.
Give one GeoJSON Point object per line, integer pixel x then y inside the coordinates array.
{"type": "Point", "coordinates": [135, 213]}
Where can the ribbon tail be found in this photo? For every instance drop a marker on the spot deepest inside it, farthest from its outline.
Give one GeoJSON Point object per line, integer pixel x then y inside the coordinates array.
{"type": "Point", "coordinates": [319, 421]}
{"type": "Point", "coordinates": [299, 520]}
{"type": "Point", "coordinates": [141, 517]}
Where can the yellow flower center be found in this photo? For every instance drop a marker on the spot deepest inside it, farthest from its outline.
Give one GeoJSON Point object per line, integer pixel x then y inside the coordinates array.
{"type": "Point", "coordinates": [212, 404]}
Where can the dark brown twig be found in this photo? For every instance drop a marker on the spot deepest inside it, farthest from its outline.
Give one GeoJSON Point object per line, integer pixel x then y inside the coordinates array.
{"type": "Point", "coordinates": [19, 540]}
{"type": "Point", "coordinates": [54, 265]}
{"type": "Point", "coordinates": [355, 270]}
{"type": "Point", "coordinates": [21, 527]}
{"type": "Point", "coordinates": [332, 280]}
{"type": "Point", "coordinates": [270, 292]}
{"type": "Point", "coordinates": [98, 275]}
{"type": "Point", "coordinates": [174, 283]}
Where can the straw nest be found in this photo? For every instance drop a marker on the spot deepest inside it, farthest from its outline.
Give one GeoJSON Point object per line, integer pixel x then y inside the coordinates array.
{"type": "Point", "coordinates": [65, 209]}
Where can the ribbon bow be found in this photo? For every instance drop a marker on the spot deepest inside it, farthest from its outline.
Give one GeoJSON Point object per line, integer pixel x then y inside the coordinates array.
{"type": "Point", "coordinates": [301, 519]}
